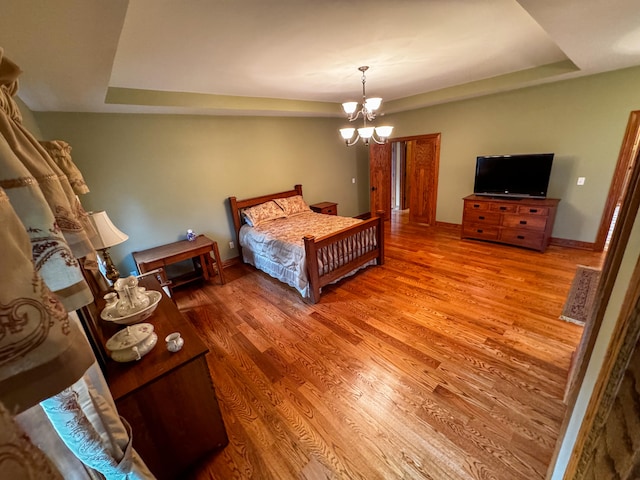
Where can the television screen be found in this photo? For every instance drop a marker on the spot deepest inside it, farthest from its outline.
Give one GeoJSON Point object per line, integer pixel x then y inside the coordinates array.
{"type": "Point", "coordinates": [523, 175]}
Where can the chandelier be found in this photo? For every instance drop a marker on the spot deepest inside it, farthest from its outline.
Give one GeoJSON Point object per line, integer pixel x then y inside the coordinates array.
{"type": "Point", "coordinates": [368, 113]}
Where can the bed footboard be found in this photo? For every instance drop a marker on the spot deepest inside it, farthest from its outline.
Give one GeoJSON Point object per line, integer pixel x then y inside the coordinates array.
{"type": "Point", "coordinates": [333, 256]}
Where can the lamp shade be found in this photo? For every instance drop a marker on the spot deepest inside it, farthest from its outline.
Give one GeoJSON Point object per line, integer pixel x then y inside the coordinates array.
{"type": "Point", "coordinates": [365, 132]}
{"type": "Point", "coordinates": [372, 104]}
{"type": "Point", "coordinates": [349, 107]}
{"type": "Point", "coordinates": [384, 131]}
{"type": "Point", "coordinates": [347, 133]}
{"type": "Point", "coordinates": [107, 233]}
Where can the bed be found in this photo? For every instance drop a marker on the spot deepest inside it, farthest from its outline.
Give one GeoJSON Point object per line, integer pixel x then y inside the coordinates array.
{"type": "Point", "coordinates": [303, 249]}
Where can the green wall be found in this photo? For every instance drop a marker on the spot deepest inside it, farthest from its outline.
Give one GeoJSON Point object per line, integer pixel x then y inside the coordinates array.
{"type": "Point", "coordinates": [582, 121]}
{"type": "Point", "coordinates": [28, 118]}
{"type": "Point", "coordinates": [158, 175]}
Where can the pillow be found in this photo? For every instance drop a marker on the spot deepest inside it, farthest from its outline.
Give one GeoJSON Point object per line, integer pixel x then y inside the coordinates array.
{"type": "Point", "coordinates": [264, 212]}
{"type": "Point", "coordinates": [293, 205]}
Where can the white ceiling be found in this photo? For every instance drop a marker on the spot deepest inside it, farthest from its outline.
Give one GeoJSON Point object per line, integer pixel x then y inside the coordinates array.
{"type": "Point", "coordinates": [300, 57]}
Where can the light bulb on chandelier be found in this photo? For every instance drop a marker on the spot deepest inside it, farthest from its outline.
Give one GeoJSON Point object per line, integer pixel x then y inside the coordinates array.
{"type": "Point", "coordinates": [368, 113]}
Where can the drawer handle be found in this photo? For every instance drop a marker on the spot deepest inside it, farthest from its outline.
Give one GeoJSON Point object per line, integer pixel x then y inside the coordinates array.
{"type": "Point", "coordinates": [533, 210]}
{"type": "Point", "coordinates": [480, 217]}
{"type": "Point", "coordinates": [503, 208]}
{"type": "Point", "coordinates": [523, 222]}
{"type": "Point", "coordinates": [480, 230]}
{"type": "Point", "coordinates": [475, 205]}
{"type": "Point", "coordinates": [521, 237]}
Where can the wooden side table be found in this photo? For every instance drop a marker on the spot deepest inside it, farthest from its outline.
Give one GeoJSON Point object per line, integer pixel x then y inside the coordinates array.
{"type": "Point", "coordinates": [328, 208]}
{"type": "Point", "coordinates": [199, 250]}
{"type": "Point", "coordinates": [168, 398]}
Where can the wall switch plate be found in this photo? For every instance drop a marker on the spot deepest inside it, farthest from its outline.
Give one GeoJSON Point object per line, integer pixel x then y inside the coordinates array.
{"type": "Point", "coordinates": [581, 180]}
{"type": "Point", "coordinates": [232, 245]}
{"type": "Point", "coordinates": [353, 180]}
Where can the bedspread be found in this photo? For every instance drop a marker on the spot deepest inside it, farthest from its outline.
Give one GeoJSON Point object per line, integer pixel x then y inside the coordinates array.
{"type": "Point", "coordinates": [277, 248]}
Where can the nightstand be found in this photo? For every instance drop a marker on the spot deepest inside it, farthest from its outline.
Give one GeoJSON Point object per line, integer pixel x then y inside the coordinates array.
{"type": "Point", "coordinates": [328, 208]}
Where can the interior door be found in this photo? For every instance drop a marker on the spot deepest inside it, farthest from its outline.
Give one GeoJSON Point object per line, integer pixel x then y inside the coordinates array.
{"type": "Point", "coordinates": [380, 178]}
{"type": "Point", "coordinates": [422, 170]}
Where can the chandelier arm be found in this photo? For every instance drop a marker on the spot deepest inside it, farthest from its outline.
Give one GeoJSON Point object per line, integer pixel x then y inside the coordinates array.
{"type": "Point", "coordinates": [354, 116]}
{"type": "Point", "coordinates": [379, 142]}
{"type": "Point", "coordinates": [350, 144]}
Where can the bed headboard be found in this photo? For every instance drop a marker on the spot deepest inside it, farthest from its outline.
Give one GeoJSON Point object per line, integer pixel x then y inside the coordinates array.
{"type": "Point", "coordinates": [237, 206]}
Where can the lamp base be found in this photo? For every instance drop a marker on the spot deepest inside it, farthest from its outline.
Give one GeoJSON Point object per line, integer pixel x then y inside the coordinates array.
{"type": "Point", "coordinates": [111, 272]}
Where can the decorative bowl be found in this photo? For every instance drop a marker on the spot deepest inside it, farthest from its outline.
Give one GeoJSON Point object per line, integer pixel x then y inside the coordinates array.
{"type": "Point", "coordinates": [111, 313]}
{"type": "Point", "coordinates": [132, 343]}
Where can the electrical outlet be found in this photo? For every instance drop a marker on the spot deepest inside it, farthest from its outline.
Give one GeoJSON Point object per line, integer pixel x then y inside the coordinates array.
{"type": "Point", "coordinates": [232, 245]}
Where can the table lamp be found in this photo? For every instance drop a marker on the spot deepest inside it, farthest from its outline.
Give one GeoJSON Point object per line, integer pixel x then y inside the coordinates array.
{"type": "Point", "coordinates": [107, 235]}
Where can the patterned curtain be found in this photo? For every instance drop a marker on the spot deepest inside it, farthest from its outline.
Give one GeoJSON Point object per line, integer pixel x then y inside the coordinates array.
{"type": "Point", "coordinates": [19, 458]}
{"type": "Point", "coordinates": [44, 355]}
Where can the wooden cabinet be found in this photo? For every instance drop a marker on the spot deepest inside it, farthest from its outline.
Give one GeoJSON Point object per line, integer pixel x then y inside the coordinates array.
{"type": "Point", "coordinates": [168, 398]}
{"type": "Point", "coordinates": [328, 208]}
{"type": "Point", "coordinates": [524, 222]}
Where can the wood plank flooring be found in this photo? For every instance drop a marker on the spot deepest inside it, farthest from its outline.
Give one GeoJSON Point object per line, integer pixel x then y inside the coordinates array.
{"type": "Point", "coordinates": [448, 362]}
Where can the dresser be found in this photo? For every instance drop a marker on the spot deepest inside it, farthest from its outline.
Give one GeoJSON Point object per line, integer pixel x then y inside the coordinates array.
{"type": "Point", "coordinates": [523, 222]}
{"type": "Point", "coordinates": [168, 398]}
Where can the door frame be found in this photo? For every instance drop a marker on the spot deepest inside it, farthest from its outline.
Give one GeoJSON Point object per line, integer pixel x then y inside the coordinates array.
{"type": "Point", "coordinates": [628, 154]}
{"type": "Point", "coordinates": [434, 197]}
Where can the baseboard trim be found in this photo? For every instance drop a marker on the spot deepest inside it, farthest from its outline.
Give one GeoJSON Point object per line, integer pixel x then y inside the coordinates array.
{"type": "Point", "coordinates": [564, 242]}
{"type": "Point", "coordinates": [450, 226]}
{"type": "Point", "coordinates": [231, 262]}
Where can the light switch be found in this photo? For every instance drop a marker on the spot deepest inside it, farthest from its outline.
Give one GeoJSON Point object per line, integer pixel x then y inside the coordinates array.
{"type": "Point", "coordinates": [581, 180]}
{"type": "Point", "coordinates": [353, 180]}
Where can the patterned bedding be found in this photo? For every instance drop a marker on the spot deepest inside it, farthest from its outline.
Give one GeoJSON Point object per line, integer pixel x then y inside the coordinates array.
{"type": "Point", "coordinates": [276, 247]}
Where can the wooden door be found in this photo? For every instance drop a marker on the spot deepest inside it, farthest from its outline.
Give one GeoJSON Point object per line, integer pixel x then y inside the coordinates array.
{"type": "Point", "coordinates": [422, 164]}
{"type": "Point", "coordinates": [380, 178]}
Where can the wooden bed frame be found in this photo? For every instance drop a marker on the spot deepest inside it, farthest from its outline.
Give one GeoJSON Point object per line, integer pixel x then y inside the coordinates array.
{"type": "Point", "coordinates": [317, 247]}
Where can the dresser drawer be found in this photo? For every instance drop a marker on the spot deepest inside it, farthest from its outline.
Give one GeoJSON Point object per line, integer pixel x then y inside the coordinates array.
{"type": "Point", "coordinates": [481, 206]}
{"type": "Point", "coordinates": [528, 210]}
{"type": "Point", "coordinates": [486, 232]}
{"type": "Point", "coordinates": [504, 208]}
{"type": "Point", "coordinates": [535, 222]}
{"type": "Point", "coordinates": [522, 238]}
{"type": "Point", "coordinates": [482, 217]}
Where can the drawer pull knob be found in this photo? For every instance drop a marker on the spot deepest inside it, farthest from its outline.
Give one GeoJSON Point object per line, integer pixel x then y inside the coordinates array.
{"type": "Point", "coordinates": [475, 205]}
{"type": "Point", "coordinates": [533, 210]}
{"type": "Point", "coordinates": [481, 217]}
{"type": "Point", "coordinates": [503, 208]}
{"type": "Point", "coordinates": [523, 222]}
{"type": "Point", "coordinates": [521, 237]}
{"type": "Point", "coordinates": [479, 230]}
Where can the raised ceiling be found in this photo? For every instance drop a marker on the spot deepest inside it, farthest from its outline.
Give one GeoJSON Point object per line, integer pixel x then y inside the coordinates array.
{"type": "Point", "coordinates": [300, 57]}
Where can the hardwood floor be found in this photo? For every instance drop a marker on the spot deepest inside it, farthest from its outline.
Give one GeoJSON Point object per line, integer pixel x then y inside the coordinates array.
{"type": "Point", "coordinates": [448, 362]}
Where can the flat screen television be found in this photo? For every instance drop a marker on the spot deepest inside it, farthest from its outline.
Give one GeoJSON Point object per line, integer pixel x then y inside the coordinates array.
{"type": "Point", "coordinates": [522, 175]}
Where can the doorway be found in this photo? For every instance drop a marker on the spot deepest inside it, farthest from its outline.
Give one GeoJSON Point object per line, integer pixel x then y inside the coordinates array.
{"type": "Point", "coordinates": [404, 176]}
{"type": "Point", "coordinates": [619, 183]}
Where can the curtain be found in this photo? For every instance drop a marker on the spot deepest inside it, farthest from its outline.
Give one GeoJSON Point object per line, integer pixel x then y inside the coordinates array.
{"type": "Point", "coordinates": [19, 458]}
{"type": "Point", "coordinates": [44, 356]}
{"type": "Point", "coordinates": [88, 423]}
{"type": "Point", "coordinates": [41, 350]}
